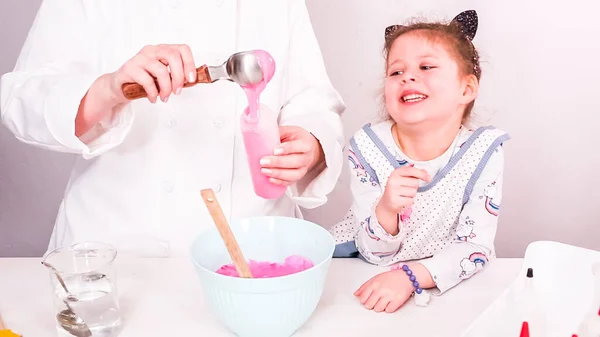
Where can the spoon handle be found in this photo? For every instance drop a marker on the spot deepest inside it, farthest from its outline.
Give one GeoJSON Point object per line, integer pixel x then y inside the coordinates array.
{"type": "Point", "coordinates": [133, 91]}
{"type": "Point", "coordinates": [221, 222]}
{"type": "Point", "coordinates": [60, 279]}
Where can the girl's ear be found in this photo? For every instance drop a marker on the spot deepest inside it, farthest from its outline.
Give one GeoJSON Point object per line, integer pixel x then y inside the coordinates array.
{"type": "Point", "coordinates": [468, 22]}
{"type": "Point", "coordinates": [471, 88]}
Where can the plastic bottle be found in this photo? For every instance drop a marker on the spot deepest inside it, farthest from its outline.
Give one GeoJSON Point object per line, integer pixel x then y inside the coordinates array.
{"type": "Point", "coordinates": [590, 325]}
{"type": "Point", "coordinates": [530, 308]}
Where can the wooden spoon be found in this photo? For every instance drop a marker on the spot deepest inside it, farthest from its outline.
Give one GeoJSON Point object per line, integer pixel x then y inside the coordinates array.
{"type": "Point", "coordinates": [226, 234]}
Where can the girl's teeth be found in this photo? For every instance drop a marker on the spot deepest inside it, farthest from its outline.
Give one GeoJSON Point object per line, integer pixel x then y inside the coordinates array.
{"type": "Point", "coordinates": [413, 98]}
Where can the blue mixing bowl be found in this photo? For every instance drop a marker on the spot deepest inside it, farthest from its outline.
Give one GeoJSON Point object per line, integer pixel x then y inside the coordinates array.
{"type": "Point", "coordinates": [265, 307]}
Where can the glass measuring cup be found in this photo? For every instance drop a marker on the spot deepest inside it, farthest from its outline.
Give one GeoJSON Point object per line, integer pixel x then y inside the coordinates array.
{"type": "Point", "coordinates": [91, 299]}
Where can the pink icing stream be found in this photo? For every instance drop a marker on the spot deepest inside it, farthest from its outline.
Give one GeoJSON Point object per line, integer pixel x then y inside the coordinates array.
{"type": "Point", "coordinates": [264, 269]}
{"type": "Point", "coordinates": [261, 135]}
{"type": "Point", "coordinates": [253, 91]}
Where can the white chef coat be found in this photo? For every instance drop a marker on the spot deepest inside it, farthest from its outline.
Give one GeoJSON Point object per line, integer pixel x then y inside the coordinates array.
{"type": "Point", "coordinates": [136, 182]}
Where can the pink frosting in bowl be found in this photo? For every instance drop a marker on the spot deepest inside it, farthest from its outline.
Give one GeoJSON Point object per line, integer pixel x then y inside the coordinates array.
{"type": "Point", "coordinates": [266, 269]}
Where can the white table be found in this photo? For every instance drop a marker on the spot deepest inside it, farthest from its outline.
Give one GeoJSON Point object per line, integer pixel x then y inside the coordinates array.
{"type": "Point", "coordinates": [170, 302]}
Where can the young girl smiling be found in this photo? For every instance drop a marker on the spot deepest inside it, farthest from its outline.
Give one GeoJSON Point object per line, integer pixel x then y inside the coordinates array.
{"type": "Point", "coordinates": [426, 189]}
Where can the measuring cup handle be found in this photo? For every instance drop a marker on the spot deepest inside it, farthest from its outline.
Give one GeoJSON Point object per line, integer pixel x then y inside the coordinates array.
{"type": "Point", "coordinates": [133, 91]}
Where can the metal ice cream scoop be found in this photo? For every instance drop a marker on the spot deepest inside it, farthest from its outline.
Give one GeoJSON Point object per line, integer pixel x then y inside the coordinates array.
{"type": "Point", "coordinates": [242, 68]}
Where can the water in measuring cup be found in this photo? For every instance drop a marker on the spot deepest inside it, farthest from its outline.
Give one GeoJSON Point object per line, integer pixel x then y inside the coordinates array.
{"type": "Point", "coordinates": [95, 301]}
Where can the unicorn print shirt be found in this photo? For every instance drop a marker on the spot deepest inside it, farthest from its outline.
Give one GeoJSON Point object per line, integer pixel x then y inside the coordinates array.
{"type": "Point", "coordinates": [452, 224]}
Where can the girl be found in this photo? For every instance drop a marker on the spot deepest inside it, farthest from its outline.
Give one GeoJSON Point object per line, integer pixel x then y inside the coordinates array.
{"type": "Point", "coordinates": [426, 188]}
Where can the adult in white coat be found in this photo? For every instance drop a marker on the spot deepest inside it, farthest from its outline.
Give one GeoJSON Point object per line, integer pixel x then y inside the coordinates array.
{"type": "Point", "coordinates": [141, 164]}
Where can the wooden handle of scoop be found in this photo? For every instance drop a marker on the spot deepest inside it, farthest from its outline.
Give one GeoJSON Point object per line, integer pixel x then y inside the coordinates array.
{"type": "Point", "coordinates": [133, 91]}
{"type": "Point", "coordinates": [2, 327]}
{"type": "Point", "coordinates": [221, 222]}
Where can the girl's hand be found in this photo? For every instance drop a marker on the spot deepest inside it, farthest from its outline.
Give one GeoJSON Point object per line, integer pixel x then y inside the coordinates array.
{"type": "Point", "coordinates": [400, 190]}
{"type": "Point", "coordinates": [386, 292]}
{"type": "Point", "coordinates": [298, 153]}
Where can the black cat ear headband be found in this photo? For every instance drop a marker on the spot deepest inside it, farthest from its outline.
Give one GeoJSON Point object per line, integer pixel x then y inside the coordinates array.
{"type": "Point", "coordinates": [467, 21]}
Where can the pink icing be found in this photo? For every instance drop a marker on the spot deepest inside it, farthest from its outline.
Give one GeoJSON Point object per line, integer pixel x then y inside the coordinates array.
{"type": "Point", "coordinates": [261, 135]}
{"type": "Point", "coordinates": [253, 91]}
{"type": "Point", "coordinates": [263, 269]}
{"type": "Point", "coordinates": [406, 213]}
{"type": "Point", "coordinates": [258, 146]}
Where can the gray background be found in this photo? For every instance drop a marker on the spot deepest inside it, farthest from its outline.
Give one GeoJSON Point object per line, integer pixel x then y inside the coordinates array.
{"type": "Point", "coordinates": [539, 83]}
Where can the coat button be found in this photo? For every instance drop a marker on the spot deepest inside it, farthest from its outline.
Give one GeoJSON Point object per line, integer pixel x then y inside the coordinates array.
{"type": "Point", "coordinates": [218, 123]}
{"type": "Point", "coordinates": [168, 187]}
{"type": "Point", "coordinates": [171, 123]}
